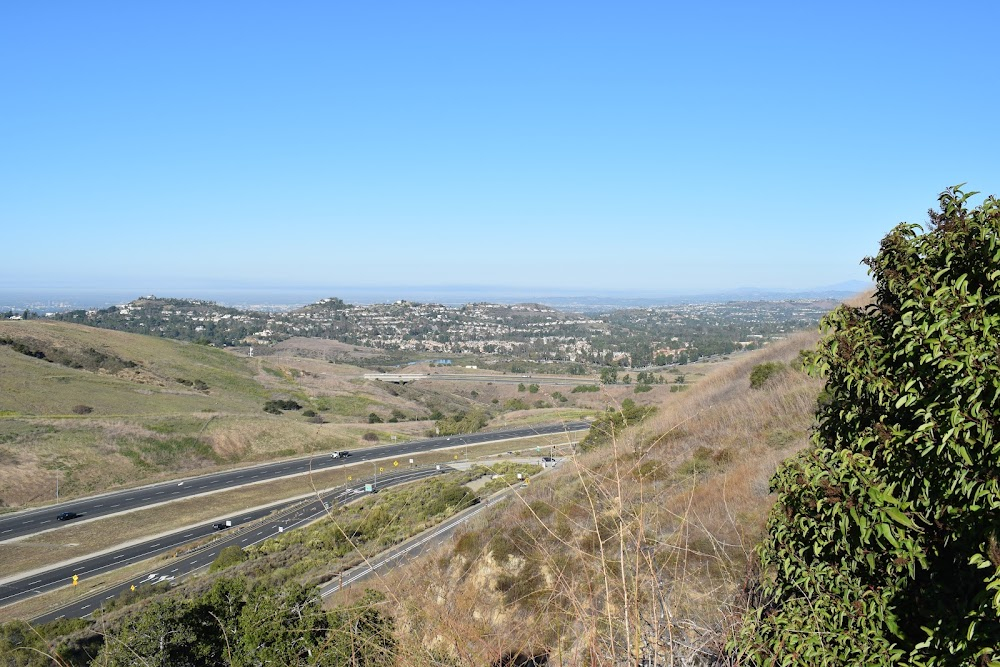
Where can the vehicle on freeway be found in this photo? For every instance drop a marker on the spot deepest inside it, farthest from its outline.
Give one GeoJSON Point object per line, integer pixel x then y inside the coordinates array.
{"type": "Point", "coordinates": [222, 525]}
{"type": "Point", "coordinates": [340, 455]}
{"type": "Point", "coordinates": [66, 516]}
{"type": "Point", "coordinates": [548, 459]}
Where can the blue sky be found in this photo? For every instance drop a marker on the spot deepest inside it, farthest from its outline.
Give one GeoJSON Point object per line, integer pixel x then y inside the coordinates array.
{"type": "Point", "coordinates": [560, 146]}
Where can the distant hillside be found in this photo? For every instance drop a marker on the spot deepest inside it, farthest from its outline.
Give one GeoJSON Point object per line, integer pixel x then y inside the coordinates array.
{"type": "Point", "coordinates": [404, 331]}
{"type": "Point", "coordinates": [97, 408]}
{"type": "Point", "coordinates": [92, 408]}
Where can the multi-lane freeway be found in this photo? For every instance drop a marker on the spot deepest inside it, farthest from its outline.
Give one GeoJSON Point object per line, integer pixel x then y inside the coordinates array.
{"type": "Point", "coordinates": [29, 522]}
{"type": "Point", "coordinates": [246, 530]}
{"type": "Point", "coordinates": [552, 380]}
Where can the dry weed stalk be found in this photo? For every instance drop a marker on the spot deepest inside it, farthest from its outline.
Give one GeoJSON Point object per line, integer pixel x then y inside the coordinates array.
{"type": "Point", "coordinates": [633, 554]}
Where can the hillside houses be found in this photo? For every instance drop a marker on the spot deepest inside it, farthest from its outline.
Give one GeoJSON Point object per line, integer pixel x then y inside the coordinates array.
{"type": "Point", "coordinates": [629, 337]}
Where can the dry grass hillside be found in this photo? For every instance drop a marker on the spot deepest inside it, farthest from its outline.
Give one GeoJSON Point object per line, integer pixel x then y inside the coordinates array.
{"type": "Point", "coordinates": [94, 409]}
{"type": "Point", "coordinates": [634, 553]}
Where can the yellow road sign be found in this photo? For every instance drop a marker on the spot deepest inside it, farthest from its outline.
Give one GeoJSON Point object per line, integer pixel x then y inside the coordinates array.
{"type": "Point", "coordinates": [395, 463]}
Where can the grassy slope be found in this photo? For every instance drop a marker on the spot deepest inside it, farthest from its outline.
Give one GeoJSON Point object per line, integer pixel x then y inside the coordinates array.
{"type": "Point", "coordinates": [638, 548]}
{"type": "Point", "coordinates": [149, 422]}
{"type": "Point", "coordinates": [146, 423]}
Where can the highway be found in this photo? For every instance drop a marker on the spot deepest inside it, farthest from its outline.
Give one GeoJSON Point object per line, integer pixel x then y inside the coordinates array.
{"type": "Point", "coordinates": [545, 380]}
{"type": "Point", "coordinates": [30, 522]}
{"type": "Point", "coordinates": [245, 532]}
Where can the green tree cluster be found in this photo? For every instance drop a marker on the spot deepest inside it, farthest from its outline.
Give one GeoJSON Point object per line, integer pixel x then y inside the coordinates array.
{"type": "Point", "coordinates": [462, 422]}
{"type": "Point", "coordinates": [240, 625]}
{"type": "Point", "coordinates": [760, 373]}
{"type": "Point", "coordinates": [883, 546]}
{"type": "Point", "coordinates": [612, 422]}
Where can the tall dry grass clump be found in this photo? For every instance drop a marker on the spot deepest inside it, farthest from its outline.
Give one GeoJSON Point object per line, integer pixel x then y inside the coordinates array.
{"type": "Point", "coordinates": [634, 553]}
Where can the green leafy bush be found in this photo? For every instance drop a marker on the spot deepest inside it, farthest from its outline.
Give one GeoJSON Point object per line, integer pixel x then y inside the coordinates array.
{"type": "Point", "coordinates": [883, 545]}
{"type": "Point", "coordinates": [515, 404]}
{"type": "Point", "coordinates": [609, 424]}
{"type": "Point", "coordinates": [761, 373]}
{"type": "Point", "coordinates": [281, 404]}
{"type": "Point", "coordinates": [460, 423]}
{"type": "Point", "coordinates": [229, 556]}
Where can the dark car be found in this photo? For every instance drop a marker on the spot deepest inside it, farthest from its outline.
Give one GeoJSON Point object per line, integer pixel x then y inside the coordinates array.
{"type": "Point", "coordinates": [548, 459]}
{"type": "Point", "coordinates": [66, 516]}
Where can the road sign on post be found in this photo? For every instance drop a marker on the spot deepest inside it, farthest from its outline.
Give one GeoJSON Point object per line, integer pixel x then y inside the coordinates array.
{"type": "Point", "coordinates": [76, 579]}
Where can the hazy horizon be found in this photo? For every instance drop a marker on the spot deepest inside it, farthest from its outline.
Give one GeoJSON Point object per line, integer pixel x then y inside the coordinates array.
{"type": "Point", "coordinates": [61, 298]}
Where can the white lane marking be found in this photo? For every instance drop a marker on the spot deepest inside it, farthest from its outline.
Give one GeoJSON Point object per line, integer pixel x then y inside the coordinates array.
{"type": "Point", "coordinates": [35, 582]}
{"type": "Point", "coordinates": [116, 505]}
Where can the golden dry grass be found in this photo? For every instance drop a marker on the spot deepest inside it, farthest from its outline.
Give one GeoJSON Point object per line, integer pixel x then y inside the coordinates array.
{"type": "Point", "coordinates": [636, 551]}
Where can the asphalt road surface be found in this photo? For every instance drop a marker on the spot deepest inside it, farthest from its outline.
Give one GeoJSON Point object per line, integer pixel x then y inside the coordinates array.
{"type": "Point", "coordinates": [29, 522]}
{"type": "Point", "coordinates": [544, 380]}
{"type": "Point", "coordinates": [285, 517]}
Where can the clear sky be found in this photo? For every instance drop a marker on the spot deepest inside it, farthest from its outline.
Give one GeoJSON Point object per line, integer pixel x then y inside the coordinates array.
{"type": "Point", "coordinates": [553, 145]}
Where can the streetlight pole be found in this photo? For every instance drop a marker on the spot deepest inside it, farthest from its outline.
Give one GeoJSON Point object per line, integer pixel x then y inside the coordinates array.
{"type": "Point", "coordinates": [375, 469]}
